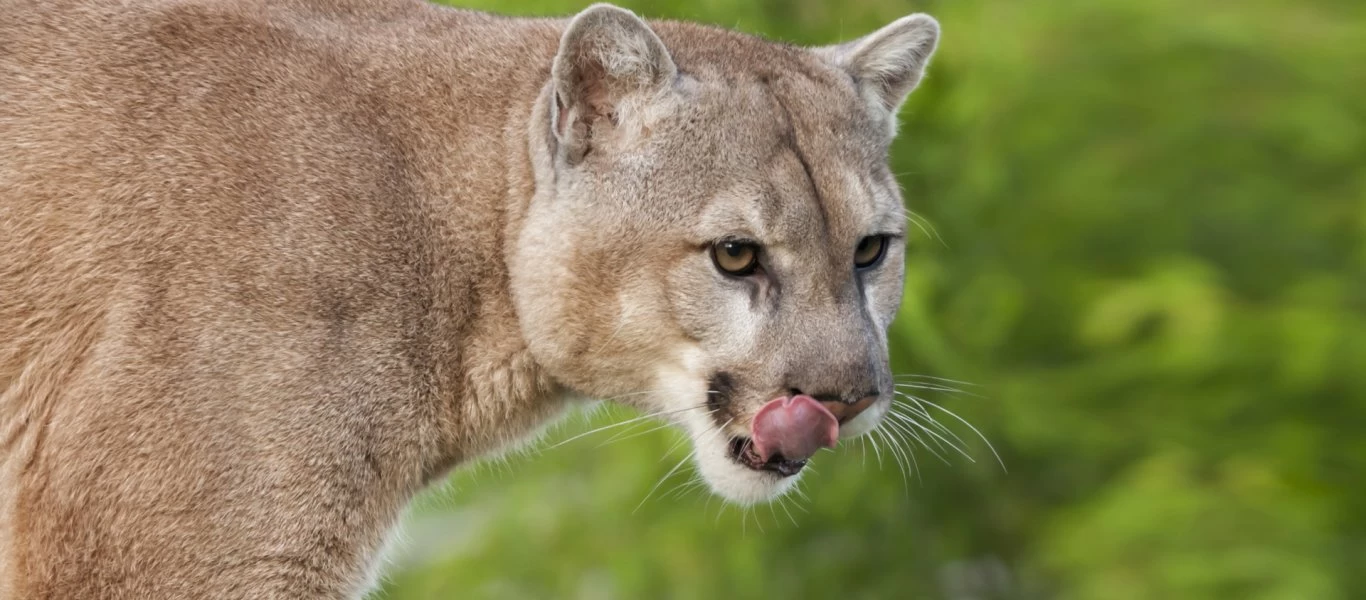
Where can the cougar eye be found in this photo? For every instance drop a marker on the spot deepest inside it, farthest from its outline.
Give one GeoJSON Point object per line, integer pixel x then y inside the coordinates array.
{"type": "Point", "coordinates": [735, 258]}
{"type": "Point", "coordinates": [869, 251]}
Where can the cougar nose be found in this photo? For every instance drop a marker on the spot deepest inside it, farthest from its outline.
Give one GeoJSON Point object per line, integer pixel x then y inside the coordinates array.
{"type": "Point", "coordinates": [846, 411]}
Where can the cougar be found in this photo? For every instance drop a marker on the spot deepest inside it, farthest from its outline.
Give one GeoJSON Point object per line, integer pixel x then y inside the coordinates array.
{"type": "Point", "coordinates": [268, 268]}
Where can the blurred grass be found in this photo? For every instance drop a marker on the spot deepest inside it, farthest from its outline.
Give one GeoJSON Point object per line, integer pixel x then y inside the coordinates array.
{"type": "Point", "coordinates": [1153, 260]}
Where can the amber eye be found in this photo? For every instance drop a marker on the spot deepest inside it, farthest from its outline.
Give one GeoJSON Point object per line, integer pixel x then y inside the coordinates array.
{"type": "Point", "coordinates": [735, 258]}
{"type": "Point", "coordinates": [869, 251]}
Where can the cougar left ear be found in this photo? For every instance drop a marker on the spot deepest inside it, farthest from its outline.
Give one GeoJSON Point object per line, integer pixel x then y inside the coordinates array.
{"type": "Point", "coordinates": [609, 61]}
{"type": "Point", "coordinates": [888, 63]}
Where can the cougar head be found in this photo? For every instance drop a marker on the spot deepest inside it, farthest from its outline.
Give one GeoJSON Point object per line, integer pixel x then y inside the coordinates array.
{"type": "Point", "coordinates": [716, 237]}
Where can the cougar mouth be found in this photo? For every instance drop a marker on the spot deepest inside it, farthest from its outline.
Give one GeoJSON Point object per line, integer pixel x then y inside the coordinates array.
{"type": "Point", "coordinates": [742, 451]}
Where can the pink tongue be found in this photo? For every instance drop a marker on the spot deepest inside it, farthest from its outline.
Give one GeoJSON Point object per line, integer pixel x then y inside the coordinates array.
{"type": "Point", "coordinates": [795, 427]}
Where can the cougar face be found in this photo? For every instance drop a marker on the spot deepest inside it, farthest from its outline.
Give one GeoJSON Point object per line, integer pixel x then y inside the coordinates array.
{"type": "Point", "coordinates": [717, 238]}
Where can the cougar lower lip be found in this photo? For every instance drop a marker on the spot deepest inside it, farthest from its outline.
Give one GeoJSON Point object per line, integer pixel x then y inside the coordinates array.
{"type": "Point", "coordinates": [742, 451]}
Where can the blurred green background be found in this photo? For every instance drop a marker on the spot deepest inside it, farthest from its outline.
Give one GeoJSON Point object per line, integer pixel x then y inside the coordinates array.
{"type": "Point", "coordinates": [1150, 259]}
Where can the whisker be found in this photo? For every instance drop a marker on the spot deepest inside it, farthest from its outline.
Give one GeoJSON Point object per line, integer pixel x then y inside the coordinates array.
{"type": "Point", "coordinates": [710, 432]}
{"type": "Point", "coordinates": [916, 222]}
{"type": "Point", "coordinates": [938, 388]}
{"type": "Point", "coordinates": [918, 409]}
{"type": "Point", "coordinates": [891, 447]}
{"type": "Point", "coordinates": [683, 488]}
{"type": "Point", "coordinates": [662, 480]}
{"type": "Point", "coordinates": [798, 505]}
{"type": "Point", "coordinates": [938, 438]}
{"type": "Point", "coordinates": [878, 453]}
{"type": "Point", "coordinates": [626, 435]}
{"type": "Point", "coordinates": [974, 430]}
{"type": "Point", "coordinates": [914, 426]}
{"type": "Point", "coordinates": [620, 325]}
{"type": "Point", "coordinates": [904, 429]}
{"type": "Point", "coordinates": [682, 439]}
{"type": "Point", "coordinates": [932, 377]}
{"type": "Point", "coordinates": [782, 503]}
{"type": "Point", "coordinates": [626, 422]}
{"type": "Point", "coordinates": [900, 416]}
{"type": "Point", "coordinates": [897, 454]}
{"type": "Point", "coordinates": [933, 230]}
{"type": "Point", "coordinates": [921, 223]}
{"type": "Point", "coordinates": [632, 395]}
{"type": "Point", "coordinates": [621, 436]}
{"type": "Point", "coordinates": [910, 450]}
{"type": "Point", "coordinates": [719, 428]}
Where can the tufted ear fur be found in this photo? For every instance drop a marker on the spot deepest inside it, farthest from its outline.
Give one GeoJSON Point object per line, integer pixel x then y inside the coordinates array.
{"type": "Point", "coordinates": [610, 65]}
{"type": "Point", "coordinates": [888, 63]}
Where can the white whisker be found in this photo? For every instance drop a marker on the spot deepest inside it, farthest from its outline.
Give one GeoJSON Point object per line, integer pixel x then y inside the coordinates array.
{"type": "Point", "coordinates": [710, 432]}
{"type": "Point", "coordinates": [621, 436]}
{"type": "Point", "coordinates": [878, 453]}
{"type": "Point", "coordinates": [921, 223]}
{"type": "Point", "coordinates": [912, 425]}
{"type": "Point", "coordinates": [974, 430]}
{"type": "Point", "coordinates": [623, 423]}
{"type": "Point", "coordinates": [683, 488]}
{"type": "Point", "coordinates": [919, 410]}
{"type": "Point", "coordinates": [897, 453]}
{"type": "Point", "coordinates": [662, 480]}
{"type": "Point", "coordinates": [782, 502]}
{"type": "Point", "coordinates": [909, 452]}
{"type": "Point", "coordinates": [938, 388]}
{"type": "Point", "coordinates": [937, 379]}
{"type": "Point", "coordinates": [938, 438]}
{"type": "Point", "coordinates": [906, 430]}
{"type": "Point", "coordinates": [682, 439]}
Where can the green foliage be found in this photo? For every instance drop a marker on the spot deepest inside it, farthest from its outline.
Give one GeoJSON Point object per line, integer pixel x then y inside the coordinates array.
{"type": "Point", "coordinates": [1150, 253]}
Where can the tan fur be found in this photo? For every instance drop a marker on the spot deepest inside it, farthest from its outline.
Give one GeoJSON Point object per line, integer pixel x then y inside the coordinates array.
{"type": "Point", "coordinates": [267, 268]}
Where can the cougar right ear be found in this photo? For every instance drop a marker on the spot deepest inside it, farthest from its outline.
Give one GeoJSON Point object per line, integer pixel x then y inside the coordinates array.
{"type": "Point", "coordinates": [608, 60]}
{"type": "Point", "coordinates": [888, 63]}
